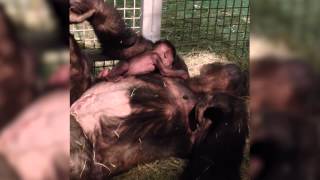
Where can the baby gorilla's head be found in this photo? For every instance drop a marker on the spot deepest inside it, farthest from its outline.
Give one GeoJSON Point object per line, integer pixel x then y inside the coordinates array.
{"type": "Point", "coordinates": [166, 50]}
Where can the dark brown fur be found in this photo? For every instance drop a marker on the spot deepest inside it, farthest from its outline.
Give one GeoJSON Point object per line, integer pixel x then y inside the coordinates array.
{"type": "Point", "coordinates": [80, 70]}
{"type": "Point", "coordinates": [117, 41]}
{"type": "Point", "coordinates": [17, 71]}
{"type": "Point", "coordinates": [156, 116]}
{"type": "Point", "coordinates": [60, 10]}
{"type": "Point", "coordinates": [80, 152]}
{"type": "Point", "coordinates": [220, 139]}
{"type": "Point", "coordinates": [160, 126]}
{"type": "Point", "coordinates": [221, 119]}
{"type": "Point", "coordinates": [219, 77]}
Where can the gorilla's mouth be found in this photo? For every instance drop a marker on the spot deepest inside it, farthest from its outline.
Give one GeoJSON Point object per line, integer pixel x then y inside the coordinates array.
{"type": "Point", "coordinates": [196, 120]}
{"type": "Point", "coordinates": [212, 113]}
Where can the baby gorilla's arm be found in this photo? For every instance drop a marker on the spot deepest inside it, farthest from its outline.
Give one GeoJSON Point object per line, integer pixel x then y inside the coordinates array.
{"type": "Point", "coordinates": [79, 18]}
{"type": "Point", "coordinates": [120, 69]}
{"type": "Point", "coordinates": [165, 71]}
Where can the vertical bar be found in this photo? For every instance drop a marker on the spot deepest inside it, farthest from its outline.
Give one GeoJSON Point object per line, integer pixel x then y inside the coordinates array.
{"type": "Point", "coordinates": [245, 34]}
{"type": "Point", "coordinates": [224, 21]}
{"type": "Point", "coordinates": [192, 22]}
{"type": "Point", "coordinates": [84, 35]}
{"type": "Point", "coordinates": [208, 22]}
{"type": "Point", "coordinates": [175, 20]}
{"type": "Point", "coordinates": [124, 10]}
{"type": "Point", "coordinates": [184, 34]}
{"type": "Point", "coordinates": [134, 14]}
{"type": "Point", "coordinates": [199, 34]}
{"type": "Point", "coordinates": [216, 21]}
{"type": "Point", "coordinates": [231, 21]}
{"type": "Point", "coordinates": [238, 28]}
{"type": "Point", "coordinates": [151, 19]}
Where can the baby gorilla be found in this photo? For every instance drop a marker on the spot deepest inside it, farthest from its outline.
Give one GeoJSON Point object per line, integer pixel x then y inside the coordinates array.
{"type": "Point", "coordinates": [161, 58]}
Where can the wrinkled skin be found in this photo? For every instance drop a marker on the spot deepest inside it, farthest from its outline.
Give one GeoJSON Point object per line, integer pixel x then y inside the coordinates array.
{"type": "Point", "coordinates": [36, 145]}
{"type": "Point", "coordinates": [125, 117]}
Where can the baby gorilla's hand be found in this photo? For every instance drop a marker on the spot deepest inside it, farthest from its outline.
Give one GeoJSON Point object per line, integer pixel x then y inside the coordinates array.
{"type": "Point", "coordinates": [103, 74]}
{"type": "Point", "coordinates": [107, 76]}
{"type": "Point", "coordinates": [115, 79]}
{"type": "Point", "coordinates": [79, 12]}
{"type": "Point", "coordinates": [185, 75]}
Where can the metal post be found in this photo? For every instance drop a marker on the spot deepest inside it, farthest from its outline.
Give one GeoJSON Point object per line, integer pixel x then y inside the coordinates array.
{"type": "Point", "coordinates": [151, 19]}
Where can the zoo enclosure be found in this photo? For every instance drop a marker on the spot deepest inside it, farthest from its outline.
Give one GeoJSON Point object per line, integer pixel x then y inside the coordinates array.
{"type": "Point", "coordinates": [219, 26]}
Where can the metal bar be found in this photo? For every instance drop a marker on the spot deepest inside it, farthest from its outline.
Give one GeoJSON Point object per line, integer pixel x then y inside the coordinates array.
{"type": "Point", "coordinates": [134, 13]}
{"type": "Point", "coordinates": [201, 7]}
{"type": "Point", "coordinates": [215, 25]}
{"type": "Point", "coordinates": [232, 15]}
{"type": "Point", "coordinates": [208, 22]}
{"type": "Point", "coordinates": [239, 20]}
{"type": "Point", "coordinates": [151, 19]}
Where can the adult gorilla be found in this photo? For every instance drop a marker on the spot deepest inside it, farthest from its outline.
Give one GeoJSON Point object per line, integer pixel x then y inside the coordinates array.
{"type": "Point", "coordinates": [118, 125]}
{"type": "Point", "coordinates": [144, 118]}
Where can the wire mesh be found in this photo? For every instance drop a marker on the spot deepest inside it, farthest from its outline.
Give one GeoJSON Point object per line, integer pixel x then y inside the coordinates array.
{"type": "Point", "coordinates": [130, 10]}
{"type": "Point", "coordinates": [221, 26]}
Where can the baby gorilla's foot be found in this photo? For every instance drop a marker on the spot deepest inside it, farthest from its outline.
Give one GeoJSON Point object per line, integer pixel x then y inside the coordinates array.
{"type": "Point", "coordinates": [185, 76]}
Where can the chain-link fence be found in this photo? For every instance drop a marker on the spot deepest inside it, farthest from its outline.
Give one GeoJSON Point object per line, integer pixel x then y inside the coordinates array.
{"type": "Point", "coordinates": [220, 26]}
{"type": "Point", "coordinates": [130, 11]}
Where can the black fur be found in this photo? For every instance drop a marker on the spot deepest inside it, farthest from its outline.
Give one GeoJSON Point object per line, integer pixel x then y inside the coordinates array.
{"type": "Point", "coordinates": [219, 153]}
